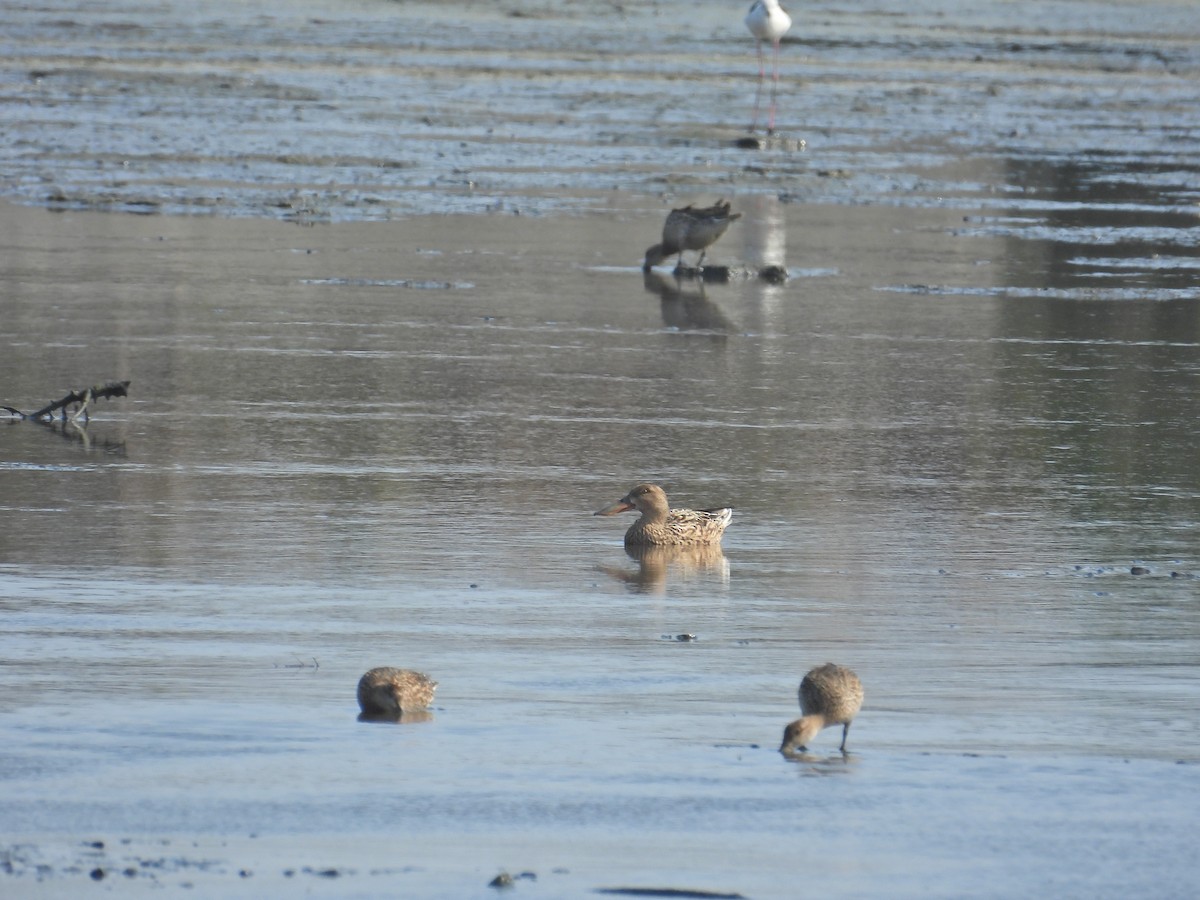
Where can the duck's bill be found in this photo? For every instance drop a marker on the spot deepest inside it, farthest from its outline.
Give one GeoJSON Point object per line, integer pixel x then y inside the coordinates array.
{"type": "Point", "coordinates": [619, 507]}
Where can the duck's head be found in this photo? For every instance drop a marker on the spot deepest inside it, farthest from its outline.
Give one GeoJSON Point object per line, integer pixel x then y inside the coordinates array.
{"type": "Point", "coordinates": [644, 498]}
{"type": "Point", "coordinates": [797, 734]}
{"type": "Point", "coordinates": [654, 255]}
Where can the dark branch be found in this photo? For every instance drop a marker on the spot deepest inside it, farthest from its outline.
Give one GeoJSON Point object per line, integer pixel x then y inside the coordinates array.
{"type": "Point", "coordinates": [81, 398]}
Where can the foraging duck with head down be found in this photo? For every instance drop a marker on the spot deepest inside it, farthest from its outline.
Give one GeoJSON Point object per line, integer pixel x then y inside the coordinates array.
{"type": "Point", "coordinates": [660, 525]}
{"type": "Point", "coordinates": [691, 229]}
{"type": "Point", "coordinates": [390, 693]}
{"type": "Point", "coordinates": [829, 695]}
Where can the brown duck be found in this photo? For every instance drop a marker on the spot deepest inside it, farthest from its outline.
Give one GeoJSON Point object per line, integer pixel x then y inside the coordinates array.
{"type": "Point", "coordinates": [661, 525]}
{"type": "Point", "coordinates": [829, 695]}
{"type": "Point", "coordinates": [691, 229]}
{"type": "Point", "coordinates": [388, 693]}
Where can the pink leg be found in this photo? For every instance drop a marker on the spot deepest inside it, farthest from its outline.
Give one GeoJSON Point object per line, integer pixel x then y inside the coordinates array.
{"type": "Point", "coordinates": [762, 75]}
{"type": "Point", "coordinates": [774, 91]}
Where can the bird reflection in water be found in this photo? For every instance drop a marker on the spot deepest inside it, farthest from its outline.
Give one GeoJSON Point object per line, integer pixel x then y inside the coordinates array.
{"type": "Point", "coordinates": [764, 233]}
{"type": "Point", "coordinates": [408, 718]}
{"type": "Point", "coordinates": [815, 764]}
{"type": "Point", "coordinates": [659, 565]}
{"type": "Point", "coordinates": [686, 308]}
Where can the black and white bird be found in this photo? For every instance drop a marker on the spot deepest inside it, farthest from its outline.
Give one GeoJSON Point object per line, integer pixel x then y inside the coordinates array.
{"type": "Point", "coordinates": [767, 21]}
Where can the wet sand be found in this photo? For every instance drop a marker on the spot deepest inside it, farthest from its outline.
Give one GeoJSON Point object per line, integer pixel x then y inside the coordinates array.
{"type": "Point", "coordinates": [371, 110]}
{"type": "Point", "coordinates": [390, 346]}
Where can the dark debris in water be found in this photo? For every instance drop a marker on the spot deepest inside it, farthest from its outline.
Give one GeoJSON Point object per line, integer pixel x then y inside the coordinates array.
{"type": "Point", "coordinates": [323, 873]}
{"type": "Point", "coordinates": [770, 142]}
{"type": "Point", "coordinates": [96, 860]}
{"type": "Point", "coordinates": [772, 274]}
{"type": "Point", "coordinates": [670, 892]}
{"type": "Point", "coordinates": [1136, 569]}
{"type": "Point", "coordinates": [505, 880]}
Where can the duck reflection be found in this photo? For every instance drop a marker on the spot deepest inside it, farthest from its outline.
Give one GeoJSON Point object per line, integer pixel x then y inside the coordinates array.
{"type": "Point", "coordinates": [686, 308]}
{"type": "Point", "coordinates": [658, 565]}
{"type": "Point", "coordinates": [420, 715]}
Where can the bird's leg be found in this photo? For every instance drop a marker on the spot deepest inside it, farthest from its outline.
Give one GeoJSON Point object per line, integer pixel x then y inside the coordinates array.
{"type": "Point", "coordinates": [700, 261]}
{"type": "Point", "coordinates": [774, 89]}
{"type": "Point", "coordinates": [845, 732]}
{"type": "Point", "coordinates": [762, 75]}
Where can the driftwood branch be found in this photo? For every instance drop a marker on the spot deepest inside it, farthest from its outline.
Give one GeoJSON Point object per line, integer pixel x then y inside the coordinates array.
{"type": "Point", "coordinates": [80, 399]}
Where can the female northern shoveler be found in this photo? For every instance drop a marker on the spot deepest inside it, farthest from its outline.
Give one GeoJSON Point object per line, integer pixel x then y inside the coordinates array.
{"type": "Point", "coordinates": [829, 695]}
{"type": "Point", "coordinates": [388, 693]}
{"type": "Point", "coordinates": [767, 21]}
{"type": "Point", "coordinates": [690, 229]}
{"type": "Point", "coordinates": [659, 524]}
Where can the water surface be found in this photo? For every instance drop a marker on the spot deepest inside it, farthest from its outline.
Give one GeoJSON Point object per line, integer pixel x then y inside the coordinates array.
{"type": "Point", "coordinates": [951, 438]}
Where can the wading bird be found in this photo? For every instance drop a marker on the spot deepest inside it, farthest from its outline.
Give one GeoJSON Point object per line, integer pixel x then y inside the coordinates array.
{"type": "Point", "coordinates": [829, 695]}
{"type": "Point", "coordinates": [690, 229]}
{"type": "Point", "coordinates": [767, 21]}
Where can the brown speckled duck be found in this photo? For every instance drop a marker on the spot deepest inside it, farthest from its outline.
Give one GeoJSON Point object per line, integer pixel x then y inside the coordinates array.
{"type": "Point", "coordinates": [388, 693]}
{"type": "Point", "coordinates": [691, 229]}
{"type": "Point", "coordinates": [829, 695]}
{"type": "Point", "coordinates": [662, 526]}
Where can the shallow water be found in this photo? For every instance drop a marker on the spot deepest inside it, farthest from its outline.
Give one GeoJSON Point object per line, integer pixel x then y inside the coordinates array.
{"type": "Point", "coordinates": [378, 440]}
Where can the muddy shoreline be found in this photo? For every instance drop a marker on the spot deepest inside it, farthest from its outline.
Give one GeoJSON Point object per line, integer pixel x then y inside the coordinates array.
{"type": "Point", "coordinates": [371, 110]}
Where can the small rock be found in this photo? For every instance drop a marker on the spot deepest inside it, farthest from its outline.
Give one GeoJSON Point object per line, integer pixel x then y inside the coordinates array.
{"type": "Point", "coordinates": [503, 880]}
{"type": "Point", "coordinates": [773, 274]}
{"type": "Point", "coordinates": [97, 874]}
{"type": "Point", "coordinates": [1139, 570]}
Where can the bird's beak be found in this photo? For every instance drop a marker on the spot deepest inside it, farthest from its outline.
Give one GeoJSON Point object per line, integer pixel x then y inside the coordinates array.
{"type": "Point", "coordinates": [619, 507]}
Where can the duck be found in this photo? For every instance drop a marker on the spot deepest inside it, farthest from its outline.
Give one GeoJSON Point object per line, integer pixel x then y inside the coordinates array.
{"type": "Point", "coordinates": [691, 229]}
{"type": "Point", "coordinates": [387, 692]}
{"type": "Point", "coordinates": [829, 695]}
{"type": "Point", "coordinates": [659, 525]}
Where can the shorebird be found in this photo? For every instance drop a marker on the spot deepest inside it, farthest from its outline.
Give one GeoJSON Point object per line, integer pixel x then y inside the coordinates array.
{"type": "Point", "coordinates": [690, 229]}
{"type": "Point", "coordinates": [386, 692]}
{"type": "Point", "coordinates": [660, 525]}
{"type": "Point", "coordinates": [829, 695]}
{"type": "Point", "coordinates": [767, 21]}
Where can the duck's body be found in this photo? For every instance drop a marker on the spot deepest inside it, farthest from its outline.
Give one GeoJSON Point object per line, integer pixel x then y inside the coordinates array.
{"type": "Point", "coordinates": [659, 525]}
{"type": "Point", "coordinates": [389, 693]}
{"type": "Point", "coordinates": [829, 695]}
{"type": "Point", "coordinates": [767, 21]}
{"type": "Point", "coordinates": [691, 229]}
